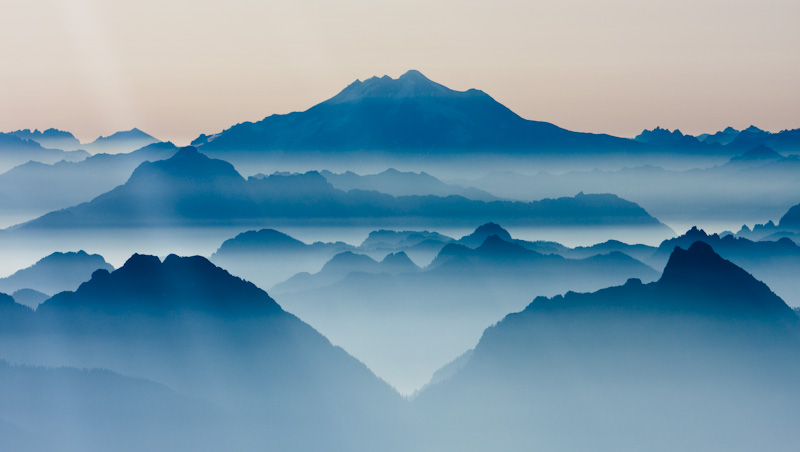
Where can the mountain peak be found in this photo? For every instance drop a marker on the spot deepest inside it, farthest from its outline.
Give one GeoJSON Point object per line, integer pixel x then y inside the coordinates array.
{"type": "Point", "coordinates": [702, 279]}
{"type": "Point", "coordinates": [145, 284]}
{"type": "Point", "coordinates": [410, 85]}
{"type": "Point", "coordinates": [414, 75]}
{"type": "Point", "coordinates": [483, 232]}
{"type": "Point", "coordinates": [187, 164]}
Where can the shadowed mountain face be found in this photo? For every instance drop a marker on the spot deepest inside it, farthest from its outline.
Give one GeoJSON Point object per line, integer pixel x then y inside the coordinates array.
{"type": "Point", "coordinates": [406, 322]}
{"type": "Point", "coordinates": [411, 114]}
{"type": "Point", "coordinates": [704, 358]}
{"type": "Point", "coordinates": [56, 273]}
{"type": "Point", "coordinates": [191, 189]}
{"type": "Point", "coordinates": [776, 263]}
{"type": "Point", "coordinates": [198, 330]}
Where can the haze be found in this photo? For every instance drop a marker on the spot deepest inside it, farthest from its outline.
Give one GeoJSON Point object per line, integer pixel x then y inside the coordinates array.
{"type": "Point", "coordinates": [184, 68]}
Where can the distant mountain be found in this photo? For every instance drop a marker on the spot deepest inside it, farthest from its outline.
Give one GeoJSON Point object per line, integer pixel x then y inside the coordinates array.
{"type": "Point", "coordinates": [722, 137]}
{"type": "Point", "coordinates": [406, 324]}
{"type": "Point", "coordinates": [397, 183]}
{"type": "Point", "coordinates": [392, 240]}
{"type": "Point", "coordinates": [676, 140]}
{"type": "Point", "coordinates": [706, 357]}
{"type": "Point", "coordinates": [342, 265]}
{"type": "Point", "coordinates": [56, 273]}
{"type": "Point", "coordinates": [50, 138]}
{"type": "Point", "coordinates": [29, 297]}
{"type": "Point", "coordinates": [192, 189]}
{"type": "Point", "coordinates": [785, 141]}
{"type": "Point", "coordinates": [482, 233]}
{"type": "Point", "coordinates": [788, 227]}
{"type": "Point", "coordinates": [742, 191]}
{"type": "Point", "coordinates": [16, 151]}
{"type": "Point", "coordinates": [410, 114]}
{"type": "Point", "coordinates": [120, 142]}
{"type": "Point", "coordinates": [759, 153]}
{"type": "Point", "coordinates": [36, 188]}
{"type": "Point", "coordinates": [727, 141]}
{"type": "Point", "coordinates": [267, 257]}
{"type": "Point", "coordinates": [217, 339]}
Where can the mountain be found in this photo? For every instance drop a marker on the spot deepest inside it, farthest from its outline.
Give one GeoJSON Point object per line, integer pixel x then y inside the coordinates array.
{"type": "Point", "coordinates": [665, 139]}
{"type": "Point", "coordinates": [56, 273]}
{"type": "Point", "coordinates": [398, 183]}
{"type": "Point", "coordinates": [192, 189]}
{"type": "Point", "coordinates": [36, 188]}
{"type": "Point", "coordinates": [759, 153]}
{"type": "Point", "coordinates": [267, 257]}
{"type": "Point", "coordinates": [120, 142]}
{"type": "Point", "coordinates": [343, 265]}
{"type": "Point", "coordinates": [483, 232]}
{"type": "Point", "coordinates": [201, 332]}
{"type": "Point", "coordinates": [410, 114]}
{"type": "Point", "coordinates": [50, 138]}
{"type": "Point", "coordinates": [788, 227]}
{"type": "Point", "coordinates": [742, 191]}
{"type": "Point", "coordinates": [29, 297]}
{"type": "Point", "coordinates": [727, 141]}
{"type": "Point", "coordinates": [785, 141]}
{"type": "Point", "coordinates": [406, 324]}
{"type": "Point", "coordinates": [722, 137]}
{"type": "Point", "coordinates": [16, 151]}
{"type": "Point", "coordinates": [774, 262]}
{"type": "Point", "coordinates": [705, 357]}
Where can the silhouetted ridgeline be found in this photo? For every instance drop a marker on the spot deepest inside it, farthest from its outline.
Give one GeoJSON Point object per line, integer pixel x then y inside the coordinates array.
{"type": "Point", "coordinates": [191, 189]}
{"type": "Point", "coordinates": [411, 114]}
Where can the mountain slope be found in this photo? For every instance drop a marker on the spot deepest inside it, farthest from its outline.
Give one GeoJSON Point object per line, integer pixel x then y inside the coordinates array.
{"type": "Point", "coordinates": [703, 358]}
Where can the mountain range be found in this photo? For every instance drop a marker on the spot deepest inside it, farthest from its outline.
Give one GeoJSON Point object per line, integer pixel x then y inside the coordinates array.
{"type": "Point", "coordinates": [192, 189]}
{"type": "Point", "coordinates": [399, 183]}
{"type": "Point", "coordinates": [755, 184]}
{"type": "Point", "coordinates": [404, 321]}
{"type": "Point", "coordinates": [16, 151]}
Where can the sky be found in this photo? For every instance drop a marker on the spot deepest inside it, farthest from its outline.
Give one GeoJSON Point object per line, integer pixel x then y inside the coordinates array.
{"type": "Point", "coordinates": [176, 69]}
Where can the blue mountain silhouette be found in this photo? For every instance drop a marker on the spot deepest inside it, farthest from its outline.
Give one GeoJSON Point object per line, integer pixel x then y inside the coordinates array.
{"type": "Point", "coordinates": [407, 114]}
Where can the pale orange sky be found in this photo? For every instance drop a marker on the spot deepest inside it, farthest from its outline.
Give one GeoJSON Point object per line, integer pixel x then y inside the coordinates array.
{"type": "Point", "coordinates": [176, 69]}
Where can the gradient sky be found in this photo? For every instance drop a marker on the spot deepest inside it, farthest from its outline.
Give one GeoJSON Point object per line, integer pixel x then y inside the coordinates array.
{"type": "Point", "coordinates": [180, 68]}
